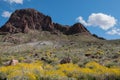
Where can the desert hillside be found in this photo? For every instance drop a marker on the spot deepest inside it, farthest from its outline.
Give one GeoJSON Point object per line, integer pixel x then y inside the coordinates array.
{"type": "Point", "coordinates": [44, 50]}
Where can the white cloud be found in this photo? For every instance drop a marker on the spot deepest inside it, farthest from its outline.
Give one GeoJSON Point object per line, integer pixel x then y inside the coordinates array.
{"type": "Point", "coordinates": [101, 20]}
{"type": "Point", "coordinates": [15, 1]}
{"type": "Point", "coordinates": [6, 14]}
{"type": "Point", "coordinates": [114, 31]}
{"type": "Point", "coordinates": [81, 20]}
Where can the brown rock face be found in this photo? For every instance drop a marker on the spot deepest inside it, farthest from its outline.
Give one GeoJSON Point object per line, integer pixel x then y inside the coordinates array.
{"type": "Point", "coordinates": [61, 28]}
{"type": "Point", "coordinates": [24, 20]}
{"type": "Point", "coordinates": [77, 28]}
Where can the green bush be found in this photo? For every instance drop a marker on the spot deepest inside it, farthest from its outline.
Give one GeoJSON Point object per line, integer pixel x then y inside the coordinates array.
{"type": "Point", "coordinates": [3, 76]}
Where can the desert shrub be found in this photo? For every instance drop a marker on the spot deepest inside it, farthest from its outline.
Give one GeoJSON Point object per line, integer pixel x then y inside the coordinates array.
{"type": "Point", "coordinates": [0, 61]}
{"type": "Point", "coordinates": [50, 58]}
{"type": "Point", "coordinates": [110, 64]}
{"type": "Point", "coordinates": [69, 69]}
{"type": "Point", "coordinates": [43, 71]}
{"type": "Point", "coordinates": [2, 76]}
{"type": "Point", "coordinates": [21, 76]}
{"type": "Point", "coordinates": [21, 59]}
{"type": "Point", "coordinates": [75, 59]}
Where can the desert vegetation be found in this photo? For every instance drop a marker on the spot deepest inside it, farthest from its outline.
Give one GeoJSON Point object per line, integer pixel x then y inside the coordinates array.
{"type": "Point", "coordinates": [33, 47]}
{"type": "Point", "coordinates": [85, 61]}
{"type": "Point", "coordinates": [42, 71]}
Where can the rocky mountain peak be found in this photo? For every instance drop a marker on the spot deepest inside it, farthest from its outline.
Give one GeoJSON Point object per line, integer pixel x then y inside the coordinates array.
{"type": "Point", "coordinates": [24, 20]}
{"type": "Point", "coordinates": [78, 28]}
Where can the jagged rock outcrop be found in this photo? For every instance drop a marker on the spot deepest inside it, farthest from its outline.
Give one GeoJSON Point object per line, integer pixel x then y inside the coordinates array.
{"type": "Point", "coordinates": [77, 28]}
{"type": "Point", "coordinates": [61, 28]}
{"type": "Point", "coordinates": [25, 20]}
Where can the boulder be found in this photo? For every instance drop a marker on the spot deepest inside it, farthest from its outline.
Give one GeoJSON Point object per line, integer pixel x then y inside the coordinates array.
{"type": "Point", "coordinates": [13, 62]}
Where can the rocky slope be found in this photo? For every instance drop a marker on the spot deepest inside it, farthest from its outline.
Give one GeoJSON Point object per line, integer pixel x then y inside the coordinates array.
{"type": "Point", "coordinates": [25, 20]}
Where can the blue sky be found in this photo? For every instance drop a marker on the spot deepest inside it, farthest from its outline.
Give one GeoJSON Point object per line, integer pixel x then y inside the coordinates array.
{"type": "Point", "coordinates": [101, 17]}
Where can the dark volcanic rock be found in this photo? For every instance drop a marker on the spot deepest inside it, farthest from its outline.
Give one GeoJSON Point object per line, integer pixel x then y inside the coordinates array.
{"type": "Point", "coordinates": [24, 20]}
{"type": "Point", "coordinates": [77, 28]}
{"type": "Point", "coordinates": [61, 28]}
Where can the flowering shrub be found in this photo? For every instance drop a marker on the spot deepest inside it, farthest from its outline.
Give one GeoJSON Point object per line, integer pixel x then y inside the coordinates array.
{"type": "Point", "coordinates": [41, 71]}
